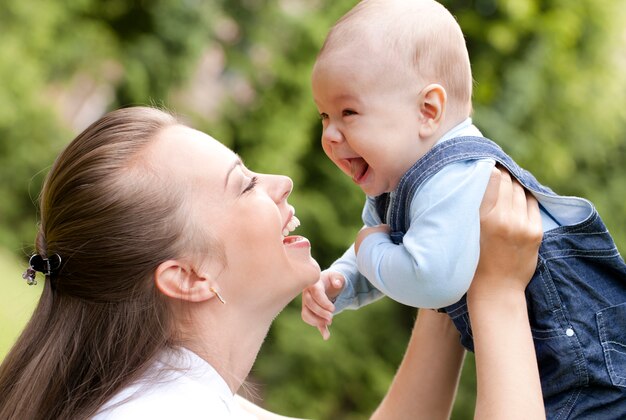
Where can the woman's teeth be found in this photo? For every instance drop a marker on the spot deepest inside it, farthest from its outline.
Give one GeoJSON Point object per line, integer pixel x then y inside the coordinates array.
{"type": "Point", "coordinates": [291, 225]}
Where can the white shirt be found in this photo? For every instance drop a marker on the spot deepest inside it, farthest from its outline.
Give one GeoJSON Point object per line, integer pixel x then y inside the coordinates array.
{"type": "Point", "coordinates": [179, 385]}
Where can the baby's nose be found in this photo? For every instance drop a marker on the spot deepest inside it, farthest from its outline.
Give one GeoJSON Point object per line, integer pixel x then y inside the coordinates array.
{"type": "Point", "coordinates": [331, 134]}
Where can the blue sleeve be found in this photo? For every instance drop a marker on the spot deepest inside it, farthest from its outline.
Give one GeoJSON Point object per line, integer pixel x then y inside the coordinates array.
{"type": "Point", "coordinates": [434, 265]}
{"type": "Point", "coordinates": [358, 291]}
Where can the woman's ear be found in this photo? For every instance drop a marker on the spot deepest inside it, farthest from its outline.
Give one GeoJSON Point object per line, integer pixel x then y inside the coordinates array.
{"type": "Point", "coordinates": [177, 280]}
{"type": "Point", "coordinates": [433, 100]}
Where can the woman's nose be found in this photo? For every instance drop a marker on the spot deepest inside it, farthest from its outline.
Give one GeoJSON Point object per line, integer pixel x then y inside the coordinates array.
{"type": "Point", "coordinates": [280, 187]}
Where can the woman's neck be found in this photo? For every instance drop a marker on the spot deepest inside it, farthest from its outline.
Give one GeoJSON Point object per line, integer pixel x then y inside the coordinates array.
{"type": "Point", "coordinates": [229, 342]}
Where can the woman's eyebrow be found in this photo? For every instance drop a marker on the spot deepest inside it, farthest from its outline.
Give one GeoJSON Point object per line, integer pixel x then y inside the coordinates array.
{"type": "Point", "coordinates": [236, 163]}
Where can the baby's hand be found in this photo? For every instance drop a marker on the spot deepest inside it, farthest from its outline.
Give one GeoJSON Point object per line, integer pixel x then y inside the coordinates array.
{"type": "Point", "coordinates": [366, 231]}
{"type": "Point", "coordinates": [317, 301]}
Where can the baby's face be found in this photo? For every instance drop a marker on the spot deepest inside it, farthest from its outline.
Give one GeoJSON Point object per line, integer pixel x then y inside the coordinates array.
{"type": "Point", "coordinates": [370, 118]}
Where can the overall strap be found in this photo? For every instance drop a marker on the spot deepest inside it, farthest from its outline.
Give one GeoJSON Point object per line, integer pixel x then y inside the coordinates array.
{"type": "Point", "coordinates": [381, 203]}
{"type": "Point", "coordinates": [445, 153]}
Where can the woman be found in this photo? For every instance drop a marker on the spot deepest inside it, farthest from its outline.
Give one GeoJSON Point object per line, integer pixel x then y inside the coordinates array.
{"type": "Point", "coordinates": [166, 261]}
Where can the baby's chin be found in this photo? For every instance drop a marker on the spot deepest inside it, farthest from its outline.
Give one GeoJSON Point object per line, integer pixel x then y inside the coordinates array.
{"type": "Point", "coordinates": [374, 190]}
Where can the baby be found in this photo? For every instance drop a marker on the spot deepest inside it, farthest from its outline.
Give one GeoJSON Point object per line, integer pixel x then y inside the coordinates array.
{"type": "Point", "coordinates": [393, 87]}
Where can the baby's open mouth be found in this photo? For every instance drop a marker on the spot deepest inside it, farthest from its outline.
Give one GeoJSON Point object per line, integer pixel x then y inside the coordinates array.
{"type": "Point", "coordinates": [358, 169]}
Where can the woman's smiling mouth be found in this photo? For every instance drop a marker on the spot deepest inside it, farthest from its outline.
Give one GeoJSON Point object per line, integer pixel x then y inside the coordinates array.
{"type": "Point", "coordinates": [293, 223]}
{"type": "Point", "coordinates": [297, 241]}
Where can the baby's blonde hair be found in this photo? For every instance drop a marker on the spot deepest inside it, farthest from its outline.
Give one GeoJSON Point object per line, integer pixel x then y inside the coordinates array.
{"type": "Point", "coordinates": [420, 33]}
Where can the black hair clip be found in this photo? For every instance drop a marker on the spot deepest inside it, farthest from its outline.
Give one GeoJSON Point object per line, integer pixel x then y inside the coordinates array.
{"type": "Point", "coordinates": [48, 266]}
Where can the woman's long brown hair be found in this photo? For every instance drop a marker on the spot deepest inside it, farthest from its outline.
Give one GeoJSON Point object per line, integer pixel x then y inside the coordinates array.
{"type": "Point", "coordinates": [112, 217]}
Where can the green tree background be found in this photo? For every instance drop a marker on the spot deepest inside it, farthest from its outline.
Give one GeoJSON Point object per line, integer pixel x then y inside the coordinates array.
{"type": "Point", "coordinates": [550, 88]}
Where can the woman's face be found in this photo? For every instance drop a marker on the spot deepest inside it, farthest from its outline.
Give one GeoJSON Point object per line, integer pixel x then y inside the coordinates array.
{"type": "Point", "coordinates": [245, 213]}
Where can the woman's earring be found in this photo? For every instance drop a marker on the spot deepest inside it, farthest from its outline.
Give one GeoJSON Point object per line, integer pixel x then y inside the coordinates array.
{"type": "Point", "coordinates": [219, 297]}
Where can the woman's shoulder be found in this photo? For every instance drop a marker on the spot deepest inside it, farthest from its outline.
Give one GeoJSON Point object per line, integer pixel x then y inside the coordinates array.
{"type": "Point", "coordinates": [178, 385]}
{"type": "Point", "coordinates": [167, 405]}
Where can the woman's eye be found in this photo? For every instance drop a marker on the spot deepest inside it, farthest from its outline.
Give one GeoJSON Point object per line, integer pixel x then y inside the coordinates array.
{"type": "Point", "coordinates": [323, 116]}
{"type": "Point", "coordinates": [348, 112]}
{"type": "Point", "coordinates": [251, 185]}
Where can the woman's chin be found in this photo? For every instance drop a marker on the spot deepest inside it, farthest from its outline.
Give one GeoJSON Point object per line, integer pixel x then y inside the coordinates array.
{"type": "Point", "coordinates": [298, 250]}
{"type": "Point", "coordinates": [316, 272]}
{"type": "Point", "coordinates": [311, 273]}
{"type": "Point", "coordinates": [308, 274]}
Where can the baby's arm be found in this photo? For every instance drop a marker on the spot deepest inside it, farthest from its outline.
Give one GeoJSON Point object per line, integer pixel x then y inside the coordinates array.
{"type": "Point", "coordinates": [366, 231]}
{"type": "Point", "coordinates": [340, 287]}
{"type": "Point", "coordinates": [357, 291]}
{"type": "Point", "coordinates": [434, 265]}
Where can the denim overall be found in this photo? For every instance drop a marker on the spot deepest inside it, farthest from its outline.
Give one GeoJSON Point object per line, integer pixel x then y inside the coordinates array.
{"type": "Point", "coordinates": [576, 298]}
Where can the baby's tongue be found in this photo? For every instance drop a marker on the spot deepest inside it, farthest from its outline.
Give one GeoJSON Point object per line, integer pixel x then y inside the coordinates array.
{"type": "Point", "coordinates": [358, 167]}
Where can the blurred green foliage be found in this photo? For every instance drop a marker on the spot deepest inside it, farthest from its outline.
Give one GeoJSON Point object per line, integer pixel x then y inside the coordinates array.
{"type": "Point", "coordinates": [550, 88]}
{"type": "Point", "coordinates": [19, 304]}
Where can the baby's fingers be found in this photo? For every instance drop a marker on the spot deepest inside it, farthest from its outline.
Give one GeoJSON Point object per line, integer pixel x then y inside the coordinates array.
{"type": "Point", "coordinates": [319, 294]}
{"type": "Point", "coordinates": [312, 319]}
{"type": "Point", "coordinates": [324, 331]}
{"type": "Point", "coordinates": [311, 300]}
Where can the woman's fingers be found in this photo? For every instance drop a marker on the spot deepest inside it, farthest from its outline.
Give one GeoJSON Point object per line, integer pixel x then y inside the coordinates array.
{"type": "Point", "coordinates": [506, 191]}
{"type": "Point", "coordinates": [534, 216]}
{"type": "Point", "coordinates": [532, 208]}
{"type": "Point", "coordinates": [491, 193]}
{"type": "Point", "coordinates": [518, 200]}
{"type": "Point", "coordinates": [510, 231]}
{"type": "Point", "coordinates": [525, 218]}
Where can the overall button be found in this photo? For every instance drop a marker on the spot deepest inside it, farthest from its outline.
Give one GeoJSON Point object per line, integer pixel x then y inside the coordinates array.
{"type": "Point", "coordinates": [569, 332]}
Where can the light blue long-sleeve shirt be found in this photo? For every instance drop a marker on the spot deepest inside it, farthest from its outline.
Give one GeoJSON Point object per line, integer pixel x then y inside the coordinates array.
{"type": "Point", "coordinates": [434, 265]}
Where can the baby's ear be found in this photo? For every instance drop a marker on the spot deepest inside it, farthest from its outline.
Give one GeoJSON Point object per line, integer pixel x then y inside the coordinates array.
{"type": "Point", "coordinates": [433, 100]}
{"type": "Point", "coordinates": [178, 280]}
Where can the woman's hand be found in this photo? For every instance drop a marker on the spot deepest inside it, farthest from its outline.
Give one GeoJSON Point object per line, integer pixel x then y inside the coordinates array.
{"type": "Point", "coordinates": [506, 366]}
{"type": "Point", "coordinates": [510, 235]}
